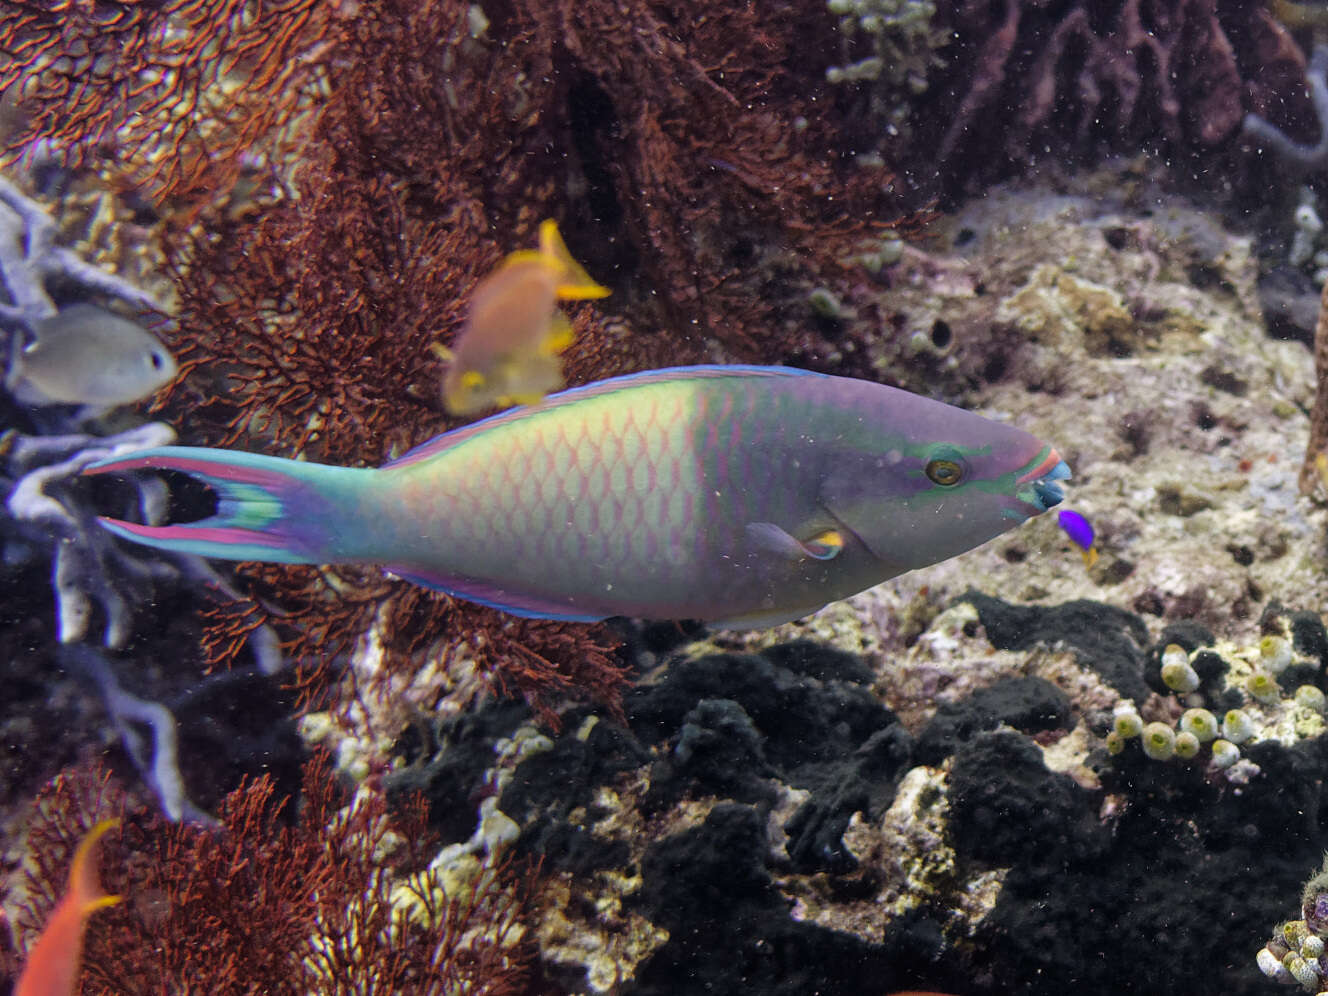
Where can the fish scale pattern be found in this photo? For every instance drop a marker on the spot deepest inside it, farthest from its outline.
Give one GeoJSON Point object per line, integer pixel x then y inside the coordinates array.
{"type": "Point", "coordinates": [582, 499]}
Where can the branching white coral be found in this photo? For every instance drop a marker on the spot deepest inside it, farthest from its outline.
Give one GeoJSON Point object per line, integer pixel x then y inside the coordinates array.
{"type": "Point", "coordinates": [29, 257]}
{"type": "Point", "coordinates": [89, 565]}
{"type": "Point", "coordinates": [91, 569]}
{"type": "Point", "coordinates": [160, 766]}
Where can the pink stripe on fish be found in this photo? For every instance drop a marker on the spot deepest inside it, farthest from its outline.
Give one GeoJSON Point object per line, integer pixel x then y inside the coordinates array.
{"type": "Point", "coordinates": [272, 479]}
{"type": "Point", "coordinates": [225, 535]}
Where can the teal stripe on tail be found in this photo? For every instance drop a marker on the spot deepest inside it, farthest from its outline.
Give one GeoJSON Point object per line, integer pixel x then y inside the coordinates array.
{"type": "Point", "coordinates": [283, 511]}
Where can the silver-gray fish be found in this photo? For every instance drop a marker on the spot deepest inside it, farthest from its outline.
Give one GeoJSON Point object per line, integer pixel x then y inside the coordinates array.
{"type": "Point", "coordinates": [86, 355]}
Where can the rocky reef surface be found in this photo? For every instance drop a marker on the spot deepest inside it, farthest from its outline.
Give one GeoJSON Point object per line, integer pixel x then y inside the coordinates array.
{"type": "Point", "coordinates": [947, 782]}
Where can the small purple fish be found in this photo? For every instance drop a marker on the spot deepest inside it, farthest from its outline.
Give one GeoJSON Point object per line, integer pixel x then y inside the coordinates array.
{"type": "Point", "coordinates": [1080, 531]}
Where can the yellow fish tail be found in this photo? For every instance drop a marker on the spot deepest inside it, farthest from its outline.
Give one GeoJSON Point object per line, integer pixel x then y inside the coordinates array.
{"type": "Point", "coordinates": [574, 283]}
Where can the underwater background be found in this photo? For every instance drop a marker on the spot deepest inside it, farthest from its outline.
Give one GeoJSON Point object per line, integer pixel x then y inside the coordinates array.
{"type": "Point", "coordinates": [1088, 753]}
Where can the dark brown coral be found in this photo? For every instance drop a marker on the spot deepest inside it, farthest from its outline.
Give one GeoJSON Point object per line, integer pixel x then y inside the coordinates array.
{"type": "Point", "coordinates": [274, 901]}
{"type": "Point", "coordinates": [713, 133]}
{"type": "Point", "coordinates": [1313, 469]}
{"type": "Point", "coordinates": [1029, 79]}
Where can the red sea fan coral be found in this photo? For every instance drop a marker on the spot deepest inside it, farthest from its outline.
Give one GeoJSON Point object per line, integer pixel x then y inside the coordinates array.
{"type": "Point", "coordinates": [178, 95]}
{"type": "Point", "coordinates": [326, 610]}
{"type": "Point", "coordinates": [335, 899]}
{"type": "Point", "coordinates": [682, 146]}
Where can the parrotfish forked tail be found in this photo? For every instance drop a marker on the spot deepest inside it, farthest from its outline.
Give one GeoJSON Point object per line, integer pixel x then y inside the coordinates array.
{"type": "Point", "coordinates": [737, 495]}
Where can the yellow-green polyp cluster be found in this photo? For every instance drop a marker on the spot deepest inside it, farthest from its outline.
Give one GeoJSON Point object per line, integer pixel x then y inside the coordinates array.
{"type": "Point", "coordinates": [1177, 672]}
{"type": "Point", "coordinates": [1295, 954]}
{"type": "Point", "coordinates": [1161, 742]}
{"type": "Point", "coordinates": [1197, 726]}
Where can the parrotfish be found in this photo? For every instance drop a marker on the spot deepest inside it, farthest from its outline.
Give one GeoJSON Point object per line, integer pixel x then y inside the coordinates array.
{"type": "Point", "coordinates": [737, 495]}
{"type": "Point", "coordinates": [52, 965]}
{"type": "Point", "coordinates": [1081, 533]}
{"type": "Point", "coordinates": [507, 353]}
{"type": "Point", "coordinates": [85, 355]}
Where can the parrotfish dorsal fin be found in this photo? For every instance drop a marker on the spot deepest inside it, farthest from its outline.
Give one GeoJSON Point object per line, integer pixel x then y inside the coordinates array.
{"type": "Point", "coordinates": [714, 371]}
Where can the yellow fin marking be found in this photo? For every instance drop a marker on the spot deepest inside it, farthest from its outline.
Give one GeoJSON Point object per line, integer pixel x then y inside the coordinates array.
{"type": "Point", "coordinates": [559, 336]}
{"type": "Point", "coordinates": [574, 283]}
{"type": "Point", "coordinates": [826, 545]}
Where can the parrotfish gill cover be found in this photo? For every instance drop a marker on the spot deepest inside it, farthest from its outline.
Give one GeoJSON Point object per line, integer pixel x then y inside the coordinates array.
{"type": "Point", "coordinates": [652, 495]}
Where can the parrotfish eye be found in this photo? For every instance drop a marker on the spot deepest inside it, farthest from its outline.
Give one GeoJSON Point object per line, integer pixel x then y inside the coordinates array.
{"type": "Point", "coordinates": [946, 473]}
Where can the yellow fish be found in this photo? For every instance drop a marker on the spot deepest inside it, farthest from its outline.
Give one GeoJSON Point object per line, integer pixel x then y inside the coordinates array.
{"type": "Point", "coordinates": [507, 352]}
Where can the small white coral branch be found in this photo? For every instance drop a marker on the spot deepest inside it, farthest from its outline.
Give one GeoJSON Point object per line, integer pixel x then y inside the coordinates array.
{"type": "Point", "coordinates": [86, 559]}
{"type": "Point", "coordinates": [161, 770]}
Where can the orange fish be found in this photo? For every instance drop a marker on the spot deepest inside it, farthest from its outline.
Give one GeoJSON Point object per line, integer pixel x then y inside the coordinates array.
{"type": "Point", "coordinates": [52, 965]}
{"type": "Point", "coordinates": [507, 353]}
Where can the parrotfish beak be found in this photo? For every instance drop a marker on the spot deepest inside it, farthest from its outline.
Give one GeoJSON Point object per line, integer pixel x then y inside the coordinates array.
{"type": "Point", "coordinates": [1038, 487]}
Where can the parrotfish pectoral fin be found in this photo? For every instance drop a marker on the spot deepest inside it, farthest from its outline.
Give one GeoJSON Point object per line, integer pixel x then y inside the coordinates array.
{"type": "Point", "coordinates": [267, 508]}
{"type": "Point", "coordinates": [768, 536]}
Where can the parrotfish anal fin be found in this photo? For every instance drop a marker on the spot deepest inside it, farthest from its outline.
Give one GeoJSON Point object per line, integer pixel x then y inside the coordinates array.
{"type": "Point", "coordinates": [707, 372]}
{"type": "Point", "coordinates": [764, 620]}
{"type": "Point", "coordinates": [825, 545]}
{"type": "Point", "coordinates": [486, 593]}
